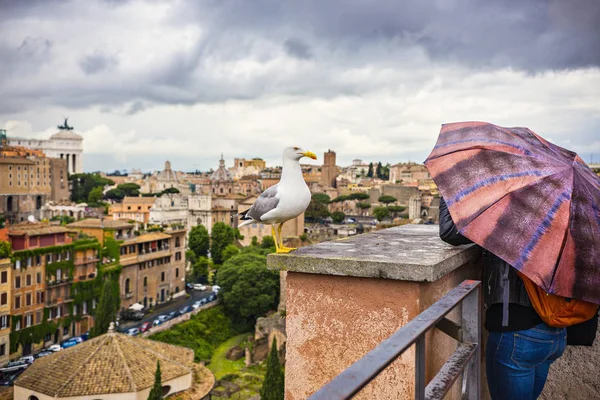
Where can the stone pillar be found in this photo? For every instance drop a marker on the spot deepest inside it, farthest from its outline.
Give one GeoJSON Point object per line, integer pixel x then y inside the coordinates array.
{"type": "Point", "coordinates": [414, 208]}
{"type": "Point", "coordinates": [282, 290]}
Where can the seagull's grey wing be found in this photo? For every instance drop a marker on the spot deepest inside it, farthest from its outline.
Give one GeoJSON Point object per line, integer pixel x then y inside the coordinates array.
{"type": "Point", "coordinates": [267, 201]}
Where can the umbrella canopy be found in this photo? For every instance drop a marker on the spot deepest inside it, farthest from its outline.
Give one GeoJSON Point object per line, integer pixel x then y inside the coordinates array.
{"type": "Point", "coordinates": [532, 203]}
{"type": "Point", "coordinates": [136, 307]}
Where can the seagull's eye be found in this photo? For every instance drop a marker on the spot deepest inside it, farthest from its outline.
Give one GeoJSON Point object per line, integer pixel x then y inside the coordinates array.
{"type": "Point", "coordinates": [296, 148]}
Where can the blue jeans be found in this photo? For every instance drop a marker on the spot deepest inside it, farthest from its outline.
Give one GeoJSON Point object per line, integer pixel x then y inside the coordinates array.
{"type": "Point", "coordinates": [517, 363]}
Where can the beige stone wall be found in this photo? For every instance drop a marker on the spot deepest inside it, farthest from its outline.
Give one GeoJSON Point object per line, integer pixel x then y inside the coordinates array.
{"type": "Point", "coordinates": [333, 321]}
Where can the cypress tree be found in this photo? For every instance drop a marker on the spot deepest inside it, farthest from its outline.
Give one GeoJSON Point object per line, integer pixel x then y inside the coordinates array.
{"type": "Point", "coordinates": [273, 385]}
{"type": "Point", "coordinates": [107, 308]}
{"type": "Point", "coordinates": [156, 391]}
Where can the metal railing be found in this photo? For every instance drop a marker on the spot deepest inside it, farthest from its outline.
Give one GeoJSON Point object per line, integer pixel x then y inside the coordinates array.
{"type": "Point", "coordinates": [466, 358]}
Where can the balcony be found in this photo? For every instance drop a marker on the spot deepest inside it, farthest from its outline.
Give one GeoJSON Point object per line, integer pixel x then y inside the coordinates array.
{"type": "Point", "coordinates": [58, 282]}
{"type": "Point", "coordinates": [153, 254]}
{"type": "Point", "coordinates": [86, 260]}
{"type": "Point", "coordinates": [344, 298]}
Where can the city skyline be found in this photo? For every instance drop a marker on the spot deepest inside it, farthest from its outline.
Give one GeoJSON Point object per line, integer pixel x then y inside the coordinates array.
{"type": "Point", "coordinates": [143, 82]}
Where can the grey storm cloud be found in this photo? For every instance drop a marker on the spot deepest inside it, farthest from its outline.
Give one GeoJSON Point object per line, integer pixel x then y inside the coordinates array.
{"type": "Point", "coordinates": [94, 63]}
{"type": "Point", "coordinates": [330, 38]}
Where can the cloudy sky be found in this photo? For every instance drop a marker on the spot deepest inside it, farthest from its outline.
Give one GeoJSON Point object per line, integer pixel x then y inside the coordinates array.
{"type": "Point", "coordinates": [146, 81]}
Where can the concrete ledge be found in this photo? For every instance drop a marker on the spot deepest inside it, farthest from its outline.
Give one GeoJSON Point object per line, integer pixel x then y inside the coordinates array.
{"type": "Point", "coordinates": [406, 253]}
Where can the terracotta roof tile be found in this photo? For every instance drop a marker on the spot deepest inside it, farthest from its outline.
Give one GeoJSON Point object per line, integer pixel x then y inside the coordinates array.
{"type": "Point", "coordinates": [111, 363]}
{"type": "Point", "coordinates": [95, 223]}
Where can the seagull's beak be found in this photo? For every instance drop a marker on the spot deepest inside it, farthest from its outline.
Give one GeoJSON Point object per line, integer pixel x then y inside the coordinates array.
{"type": "Point", "coordinates": [309, 154]}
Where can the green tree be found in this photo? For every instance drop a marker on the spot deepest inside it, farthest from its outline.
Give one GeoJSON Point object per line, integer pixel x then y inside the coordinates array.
{"type": "Point", "coordinates": [5, 249]}
{"type": "Point", "coordinates": [379, 170]}
{"type": "Point", "coordinates": [338, 217]}
{"type": "Point", "coordinates": [170, 190]}
{"type": "Point", "coordinates": [83, 184]}
{"type": "Point", "coordinates": [221, 236]}
{"type": "Point", "coordinates": [381, 213]}
{"type": "Point", "coordinates": [340, 199]}
{"type": "Point", "coordinates": [199, 241]}
{"type": "Point", "coordinates": [95, 195]}
{"type": "Point", "coordinates": [386, 199]}
{"type": "Point", "coordinates": [273, 385]}
{"type": "Point", "coordinates": [156, 391]}
{"type": "Point", "coordinates": [130, 189]}
{"type": "Point", "coordinates": [395, 210]}
{"type": "Point", "coordinates": [230, 251]}
{"type": "Point", "coordinates": [107, 308]}
{"type": "Point", "coordinates": [254, 241]}
{"type": "Point", "coordinates": [248, 288]}
{"type": "Point", "coordinates": [358, 196]}
{"type": "Point", "coordinates": [370, 172]}
{"type": "Point", "coordinates": [200, 269]}
{"type": "Point", "coordinates": [267, 242]}
{"type": "Point", "coordinates": [317, 208]}
{"type": "Point", "coordinates": [115, 194]}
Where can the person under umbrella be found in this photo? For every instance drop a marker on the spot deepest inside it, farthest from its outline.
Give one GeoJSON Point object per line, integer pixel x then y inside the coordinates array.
{"type": "Point", "coordinates": [522, 199]}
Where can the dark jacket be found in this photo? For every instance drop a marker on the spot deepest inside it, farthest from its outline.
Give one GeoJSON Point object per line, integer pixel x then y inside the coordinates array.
{"type": "Point", "coordinates": [500, 280]}
{"type": "Point", "coordinates": [503, 285]}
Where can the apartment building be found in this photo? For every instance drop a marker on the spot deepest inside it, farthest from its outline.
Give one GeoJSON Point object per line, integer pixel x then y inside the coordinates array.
{"type": "Point", "coordinates": [5, 301]}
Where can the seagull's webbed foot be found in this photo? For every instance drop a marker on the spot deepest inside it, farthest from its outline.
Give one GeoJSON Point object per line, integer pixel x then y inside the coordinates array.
{"type": "Point", "coordinates": [282, 250]}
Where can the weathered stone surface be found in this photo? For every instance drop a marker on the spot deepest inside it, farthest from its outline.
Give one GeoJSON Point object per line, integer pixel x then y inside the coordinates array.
{"type": "Point", "coordinates": [408, 253]}
{"type": "Point", "coordinates": [576, 375]}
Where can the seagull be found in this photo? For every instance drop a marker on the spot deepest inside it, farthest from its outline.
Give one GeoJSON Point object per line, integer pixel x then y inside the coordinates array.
{"type": "Point", "coordinates": [283, 201]}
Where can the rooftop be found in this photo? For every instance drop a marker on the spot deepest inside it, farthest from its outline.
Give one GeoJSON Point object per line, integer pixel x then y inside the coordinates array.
{"type": "Point", "coordinates": [36, 229]}
{"type": "Point", "coordinates": [97, 223]}
{"type": "Point", "coordinates": [146, 237]}
{"type": "Point", "coordinates": [111, 363]}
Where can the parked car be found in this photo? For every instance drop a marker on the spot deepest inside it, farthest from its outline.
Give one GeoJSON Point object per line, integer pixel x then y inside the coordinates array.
{"type": "Point", "coordinates": [132, 332]}
{"type": "Point", "coordinates": [189, 286]}
{"type": "Point", "coordinates": [14, 366]}
{"type": "Point", "coordinates": [161, 319]}
{"type": "Point", "coordinates": [174, 314]}
{"type": "Point", "coordinates": [28, 359]}
{"type": "Point", "coordinates": [196, 305]}
{"type": "Point", "coordinates": [185, 309]}
{"type": "Point", "coordinates": [55, 347]}
{"type": "Point", "coordinates": [43, 354]}
{"type": "Point", "coordinates": [216, 288]}
{"type": "Point", "coordinates": [9, 380]}
{"type": "Point", "coordinates": [212, 297]}
{"type": "Point", "coordinates": [199, 286]}
{"type": "Point", "coordinates": [85, 336]}
{"type": "Point", "coordinates": [132, 315]}
{"type": "Point", "coordinates": [145, 326]}
{"type": "Point", "coordinates": [69, 343]}
{"type": "Point", "coordinates": [78, 339]}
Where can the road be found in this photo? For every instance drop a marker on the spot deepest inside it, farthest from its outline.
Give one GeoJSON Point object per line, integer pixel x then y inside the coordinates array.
{"type": "Point", "coordinates": [166, 308]}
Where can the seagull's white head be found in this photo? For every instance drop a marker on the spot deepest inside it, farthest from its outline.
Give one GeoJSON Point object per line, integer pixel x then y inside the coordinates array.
{"type": "Point", "coordinates": [296, 153]}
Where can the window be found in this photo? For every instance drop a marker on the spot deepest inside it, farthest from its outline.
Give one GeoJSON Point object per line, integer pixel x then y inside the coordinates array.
{"type": "Point", "coordinates": [93, 304]}
{"type": "Point", "coordinates": [48, 258]}
{"type": "Point", "coordinates": [4, 321]}
{"type": "Point", "coordinates": [18, 325]}
{"type": "Point", "coordinates": [3, 350]}
{"type": "Point", "coordinates": [29, 261]}
{"type": "Point", "coordinates": [38, 260]}
{"type": "Point", "coordinates": [38, 278]}
{"type": "Point", "coordinates": [17, 282]}
{"type": "Point", "coordinates": [3, 299]}
{"type": "Point", "coordinates": [38, 318]}
{"type": "Point", "coordinates": [40, 297]}
{"type": "Point", "coordinates": [49, 314]}
{"type": "Point", "coordinates": [127, 286]}
{"type": "Point", "coordinates": [145, 281]}
{"type": "Point", "coordinates": [177, 256]}
{"type": "Point", "coordinates": [84, 306]}
{"type": "Point", "coordinates": [176, 272]}
{"type": "Point", "coordinates": [58, 311]}
{"type": "Point", "coordinates": [28, 299]}
{"type": "Point", "coordinates": [177, 242]}
{"type": "Point", "coordinates": [58, 274]}
{"type": "Point", "coordinates": [75, 309]}
{"type": "Point", "coordinates": [4, 277]}
{"type": "Point", "coordinates": [162, 276]}
{"type": "Point", "coordinates": [28, 280]}
{"type": "Point", "coordinates": [17, 302]}
{"type": "Point", "coordinates": [28, 320]}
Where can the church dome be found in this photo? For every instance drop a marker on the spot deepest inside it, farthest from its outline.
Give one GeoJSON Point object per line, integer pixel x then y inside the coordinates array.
{"type": "Point", "coordinates": [221, 174]}
{"type": "Point", "coordinates": [167, 175]}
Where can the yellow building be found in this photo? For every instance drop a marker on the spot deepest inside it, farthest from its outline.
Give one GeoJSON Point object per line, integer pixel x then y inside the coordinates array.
{"type": "Point", "coordinates": [292, 228]}
{"type": "Point", "coordinates": [101, 227]}
{"type": "Point", "coordinates": [132, 209]}
{"type": "Point", "coordinates": [5, 301]}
